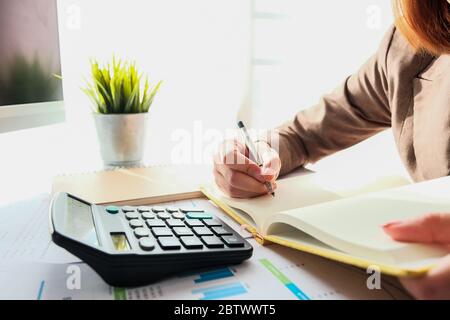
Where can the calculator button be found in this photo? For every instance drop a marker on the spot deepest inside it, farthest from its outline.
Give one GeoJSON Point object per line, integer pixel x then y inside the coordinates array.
{"type": "Point", "coordinates": [186, 210]}
{"type": "Point", "coordinates": [172, 209]}
{"type": "Point", "coordinates": [212, 242]}
{"type": "Point", "coordinates": [155, 223]}
{"type": "Point", "coordinates": [194, 223]}
{"type": "Point", "coordinates": [162, 232]}
{"type": "Point", "coordinates": [233, 241]}
{"type": "Point", "coordinates": [147, 244]}
{"type": "Point", "coordinates": [164, 215]}
{"type": "Point", "coordinates": [148, 215]}
{"type": "Point", "coordinates": [213, 223]}
{"type": "Point", "coordinates": [199, 215]}
{"type": "Point", "coordinates": [170, 243]}
{"type": "Point", "coordinates": [141, 232]}
{"type": "Point", "coordinates": [144, 209]}
{"type": "Point", "coordinates": [202, 231]}
{"type": "Point", "coordinates": [178, 215]}
{"type": "Point", "coordinates": [182, 231]}
{"type": "Point", "coordinates": [128, 209]}
{"type": "Point", "coordinates": [112, 210]}
{"type": "Point", "coordinates": [220, 231]}
{"type": "Point", "coordinates": [132, 215]}
{"type": "Point", "coordinates": [191, 242]}
{"type": "Point", "coordinates": [174, 223]}
{"type": "Point", "coordinates": [136, 223]}
{"type": "Point", "coordinates": [158, 209]}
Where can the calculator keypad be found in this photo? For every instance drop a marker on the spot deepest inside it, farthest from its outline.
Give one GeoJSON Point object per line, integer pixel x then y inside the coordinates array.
{"type": "Point", "coordinates": [172, 228]}
{"type": "Point", "coordinates": [135, 223]}
{"type": "Point", "coordinates": [148, 215]}
{"type": "Point", "coordinates": [162, 232]}
{"type": "Point", "coordinates": [202, 231]}
{"type": "Point", "coordinates": [132, 215]}
{"type": "Point", "coordinates": [155, 223]}
{"type": "Point", "coordinates": [171, 243]}
{"type": "Point", "coordinates": [191, 242]}
{"type": "Point", "coordinates": [141, 232]}
{"type": "Point", "coordinates": [212, 242]}
{"type": "Point", "coordinates": [147, 244]}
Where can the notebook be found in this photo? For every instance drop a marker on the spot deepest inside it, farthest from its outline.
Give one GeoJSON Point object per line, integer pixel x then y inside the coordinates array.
{"type": "Point", "coordinates": [136, 186]}
{"type": "Point", "coordinates": [340, 226]}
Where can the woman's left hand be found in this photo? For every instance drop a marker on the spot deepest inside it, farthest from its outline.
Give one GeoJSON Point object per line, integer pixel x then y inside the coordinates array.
{"type": "Point", "coordinates": [432, 229]}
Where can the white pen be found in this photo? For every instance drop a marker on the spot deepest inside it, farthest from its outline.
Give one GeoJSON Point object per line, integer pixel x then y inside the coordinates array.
{"type": "Point", "coordinates": [254, 152]}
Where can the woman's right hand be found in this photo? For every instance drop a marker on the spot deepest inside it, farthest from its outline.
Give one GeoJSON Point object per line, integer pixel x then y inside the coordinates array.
{"type": "Point", "coordinates": [238, 176]}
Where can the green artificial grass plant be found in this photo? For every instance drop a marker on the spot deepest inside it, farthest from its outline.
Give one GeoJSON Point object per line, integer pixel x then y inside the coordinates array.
{"type": "Point", "coordinates": [119, 88]}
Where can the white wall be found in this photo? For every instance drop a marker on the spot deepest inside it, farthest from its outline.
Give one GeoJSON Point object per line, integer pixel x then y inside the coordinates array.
{"type": "Point", "coordinates": [201, 49]}
{"type": "Point", "coordinates": [318, 45]}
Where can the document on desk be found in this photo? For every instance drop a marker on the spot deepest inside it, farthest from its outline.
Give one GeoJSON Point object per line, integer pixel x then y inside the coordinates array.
{"type": "Point", "coordinates": [289, 274]}
{"type": "Point", "coordinates": [24, 233]}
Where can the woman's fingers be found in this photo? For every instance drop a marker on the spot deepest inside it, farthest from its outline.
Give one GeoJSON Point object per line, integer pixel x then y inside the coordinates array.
{"type": "Point", "coordinates": [271, 162]}
{"type": "Point", "coordinates": [238, 188]}
{"type": "Point", "coordinates": [232, 155]}
{"type": "Point", "coordinates": [240, 177]}
{"type": "Point", "coordinates": [243, 181]}
{"type": "Point", "coordinates": [431, 228]}
{"type": "Point", "coordinates": [434, 286]}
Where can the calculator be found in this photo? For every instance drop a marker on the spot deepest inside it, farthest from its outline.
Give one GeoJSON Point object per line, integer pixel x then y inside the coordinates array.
{"type": "Point", "coordinates": [131, 246]}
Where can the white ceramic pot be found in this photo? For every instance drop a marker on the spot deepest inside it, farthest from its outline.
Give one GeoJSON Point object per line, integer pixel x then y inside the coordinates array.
{"type": "Point", "coordinates": [121, 138]}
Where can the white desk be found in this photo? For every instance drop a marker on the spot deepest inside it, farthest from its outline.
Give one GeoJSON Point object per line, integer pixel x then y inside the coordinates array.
{"type": "Point", "coordinates": [30, 158]}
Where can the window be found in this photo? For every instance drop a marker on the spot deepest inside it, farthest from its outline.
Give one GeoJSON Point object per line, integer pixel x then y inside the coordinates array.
{"type": "Point", "coordinates": [304, 49]}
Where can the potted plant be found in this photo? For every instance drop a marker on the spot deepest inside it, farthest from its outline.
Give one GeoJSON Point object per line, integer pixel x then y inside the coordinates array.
{"type": "Point", "coordinates": [121, 99]}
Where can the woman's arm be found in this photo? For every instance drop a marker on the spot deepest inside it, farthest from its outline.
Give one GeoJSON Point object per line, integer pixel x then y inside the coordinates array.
{"type": "Point", "coordinates": [355, 111]}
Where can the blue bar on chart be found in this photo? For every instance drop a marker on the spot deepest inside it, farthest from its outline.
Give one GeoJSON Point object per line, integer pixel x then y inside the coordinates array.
{"type": "Point", "coordinates": [284, 280]}
{"type": "Point", "coordinates": [222, 291]}
{"type": "Point", "coordinates": [41, 290]}
{"type": "Point", "coordinates": [214, 275]}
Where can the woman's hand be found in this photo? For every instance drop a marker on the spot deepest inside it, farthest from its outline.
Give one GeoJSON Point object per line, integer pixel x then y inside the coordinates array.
{"type": "Point", "coordinates": [240, 177]}
{"type": "Point", "coordinates": [432, 229]}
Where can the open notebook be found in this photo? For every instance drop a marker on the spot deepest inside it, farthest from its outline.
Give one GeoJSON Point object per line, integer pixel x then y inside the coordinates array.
{"type": "Point", "coordinates": [310, 218]}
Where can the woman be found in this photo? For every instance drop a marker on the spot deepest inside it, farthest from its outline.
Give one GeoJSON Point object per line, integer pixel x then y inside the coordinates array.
{"type": "Point", "coordinates": [404, 86]}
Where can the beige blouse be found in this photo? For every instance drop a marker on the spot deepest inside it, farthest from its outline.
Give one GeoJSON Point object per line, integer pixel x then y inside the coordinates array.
{"type": "Point", "coordinates": [397, 88]}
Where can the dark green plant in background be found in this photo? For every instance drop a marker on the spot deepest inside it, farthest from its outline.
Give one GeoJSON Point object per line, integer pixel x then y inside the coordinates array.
{"type": "Point", "coordinates": [119, 88]}
{"type": "Point", "coordinates": [24, 81]}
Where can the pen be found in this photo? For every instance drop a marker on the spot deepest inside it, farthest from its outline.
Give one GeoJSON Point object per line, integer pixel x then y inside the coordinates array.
{"type": "Point", "coordinates": [254, 152]}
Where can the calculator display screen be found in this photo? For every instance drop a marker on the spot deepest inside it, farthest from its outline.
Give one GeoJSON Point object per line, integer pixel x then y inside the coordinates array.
{"type": "Point", "coordinates": [120, 242]}
{"type": "Point", "coordinates": [80, 223]}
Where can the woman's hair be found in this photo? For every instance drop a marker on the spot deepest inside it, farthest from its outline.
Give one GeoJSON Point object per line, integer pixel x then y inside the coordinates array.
{"type": "Point", "coordinates": [425, 24]}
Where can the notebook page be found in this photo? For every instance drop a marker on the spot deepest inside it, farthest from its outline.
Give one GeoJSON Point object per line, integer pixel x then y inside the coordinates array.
{"type": "Point", "coordinates": [295, 192]}
{"type": "Point", "coordinates": [354, 225]}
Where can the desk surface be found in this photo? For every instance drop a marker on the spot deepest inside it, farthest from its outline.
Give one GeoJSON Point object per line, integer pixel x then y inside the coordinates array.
{"type": "Point", "coordinates": [30, 158]}
{"type": "Point", "coordinates": [288, 273]}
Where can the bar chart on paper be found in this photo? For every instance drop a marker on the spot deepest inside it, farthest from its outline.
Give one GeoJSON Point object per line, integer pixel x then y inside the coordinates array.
{"type": "Point", "coordinates": [291, 286]}
{"type": "Point", "coordinates": [214, 275]}
{"type": "Point", "coordinates": [227, 288]}
{"type": "Point", "coordinates": [221, 291]}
